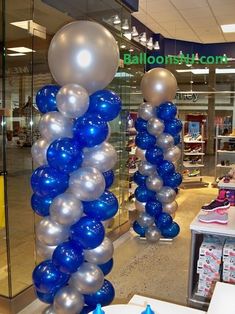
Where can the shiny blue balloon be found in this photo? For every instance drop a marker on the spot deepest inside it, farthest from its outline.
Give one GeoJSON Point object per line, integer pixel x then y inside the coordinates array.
{"type": "Point", "coordinates": [144, 140]}
{"type": "Point", "coordinates": [46, 98]}
{"type": "Point", "coordinates": [154, 155]}
{"type": "Point", "coordinates": [90, 130]}
{"type": "Point", "coordinates": [139, 179]}
{"type": "Point", "coordinates": [173, 127]}
{"type": "Point", "coordinates": [87, 309]}
{"type": "Point", "coordinates": [138, 229]}
{"type": "Point", "coordinates": [104, 296]}
{"type": "Point", "coordinates": [88, 232]}
{"type": "Point", "coordinates": [172, 231]}
{"type": "Point", "coordinates": [109, 178]}
{"type": "Point", "coordinates": [47, 181]}
{"type": "Point", "coordinates": [46, 297]}
{"type": "Point", "coordinates": [153, 208]}
{"type": "Point", "coordinates": [103, 208]}
{"type": "Point", "coordinates": [166, 111]}
{"type": "Point", "coordinates": [177, 139]}
{"type": "Point", "coordinates": [47, 278]}
{"type": "Point", "coordinates": [163, 221]}
{"type": "Point", "coordinates": [107, 267]}
{"type": "Point", "coordinates": [41, 205]}
{"type": "Point", "coordinates": [141, 125]}
{"type": "Point", "coordinates": [165, 168]}
{"type": "Point", "coordinates": [142, 194]}
{"type": "Point", "coordinates": [106, 104]}
{"type": "Point", "coordinates": [65, 155]}
{"type": "Point", "coordinates": [67, 257]}
{"type": "Point", "coordinates": [174, 180]}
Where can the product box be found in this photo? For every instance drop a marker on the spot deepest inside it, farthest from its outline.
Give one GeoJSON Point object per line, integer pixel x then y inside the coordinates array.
{"type": "Point", "coordinates": [211, 247]}
{"type": "Point", "coordinates": [228, 266]}
{"type": "Point", "coordinates": [208, 272]}
{"type": "Point", "coordinates": [229, 276]}
{"type": "Point", "coordinates": [229, 250]}
{"type": "Point", "coordinates": [213, 264]}
{"type": "Point", "coordinates": [205, 292]}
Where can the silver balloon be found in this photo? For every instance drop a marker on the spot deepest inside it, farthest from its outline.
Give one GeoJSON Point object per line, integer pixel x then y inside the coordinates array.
{"type": "Point", "coordinates": [155, 126]}
{"type": "Point", "coordinates": [77, 55]}
{"type": "Point", "coordinates": [154, 182]}
{"type": "Point", "coordinates": [166, 195]}
{"type": "Point", "coordinates": [158, 85]}
{"type": "Point", "coordinates": [152, 234]}
{"type": "Point", "coordinates": [53, 125]}
{"type": "Point", "coordinates": [103, 157]}
{"type": "Point", "coordinates": [68, 301]}
{"type": "Point", "coordinates": [146, 111]}
{"type": "Point", "coordinates": [72, 100]}
{"type": "Point", "coordinates": [146, 168]}
{"type": "Point", "coordinates": [50, 232]}
{"type": "Point", "coordinates": [49, 310]}
{"type": "Point", "coordinates": [43, 250]}
{"type": "Point", "coordinates": [39, 151]}
{"type": "Point", "coordinates": [87, 183]}
{"type": "Point", "coordinates": [165, 141]}
{"type": "Point", "coordinates": [173, 154]}
{"type": "Point", "coordinates": [140, 206]}
{"type": "Point", "coordinates": [170, 208]}
{"type": "Point", "coordinates": [101, 254]}
{"type": "Point", "coordinates": [88, 278]}
{"type": "Point", "coordinates": [66, 209]}
{"type": "Point", "coordinates": [140, 153]}
{"type": "Point", "coordinates": [145, 220]}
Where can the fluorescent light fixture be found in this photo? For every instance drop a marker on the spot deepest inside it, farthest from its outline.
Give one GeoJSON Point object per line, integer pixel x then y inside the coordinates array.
{"type": "Point", "coordinates": [143, 37]}
{"type": "Point", "coordinates": [21, 49]}
{"type": "Point", "coordinates": [21, 24]}
{"type": "Point", "coordinates": [228, 28]}
{"type": "Point", "coordinates": [131, 49]}
{"type": "Point", "coordinates": [116, 20]}
{"type": "Point", "coordinates": [123, 46]}
{"type": "Point", "coordinates": [206, 71]}
{"type": "Point", "coordinates": [125, 25]}
{"type": "Point", "coordinates": [123, 74]}
{"type": "Point", "coordinates": [134, 32]}
{"type": "Point", "coordinates": [183, 71]}
{"type": "Point", "coordinates": [33, 28]}
{"type": "Point", "coordinates": [16, 54]}
{"type": "Point", "coordinates": [156, 45]}
{"type": "Point", "coordinates": [225, 71]}
{"type": "Point", "coordinates": [200, 71]}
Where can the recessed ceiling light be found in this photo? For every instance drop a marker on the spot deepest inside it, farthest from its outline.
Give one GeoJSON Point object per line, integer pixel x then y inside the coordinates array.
{"type": "Point", "coordinates": [33, 28]}
{"type": "Point", "coordinates": [228, 28]}
{"type": "Point", "coordinates": [131, 49]}
{"type": "Point", "coordinates": [16, 54]}
{"type": "Point", "coordinates": [21, 49]}
{"type": "Point", "coordinates": [21, 24]}
{"type": "Point", "coordinates": [123, 46]}
{"type": "Point", "coordinates": [125, 25]}
{"type": "Point", "coordinates": [116, 20]}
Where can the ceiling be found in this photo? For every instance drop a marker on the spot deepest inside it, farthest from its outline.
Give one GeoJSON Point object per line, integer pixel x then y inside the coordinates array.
{"type": "Point", "coordinates": [191, 20]}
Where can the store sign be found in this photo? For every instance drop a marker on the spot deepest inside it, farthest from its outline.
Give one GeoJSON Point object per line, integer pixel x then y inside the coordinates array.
{"type": "Point", "coordinates": [191, 97]}
{"type": "Point", "coordinates": [18, 70]}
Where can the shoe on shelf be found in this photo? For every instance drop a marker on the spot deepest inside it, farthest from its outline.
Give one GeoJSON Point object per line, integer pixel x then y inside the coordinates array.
{"type": "Point", "coordinates": [197, 149]}
{"type": "Point", "coordinates": [185, 172]}
{"type": "Point", "coordinates": [186, 158]}
{"type": "Point", "coordinates": [187, 150]}
{"type": "Point", "coordinates": [225, 146]}
{"type": "Point", "coordinates": [222, 163]}
{"type": "Point", "coordinates": [198, 137]}
{"type": "Point", "coordinates": [194, 173]}
{"type": "Point", "coordinates": [227, 163]}
{"type": "Point", "coordinates": [214, 217]}
{"type": "Point", "coordinates": [216, 204]}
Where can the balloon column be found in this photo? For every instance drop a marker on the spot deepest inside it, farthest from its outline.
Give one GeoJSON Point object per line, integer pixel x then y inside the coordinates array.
{"type": "Point", "coordinates": [157, 138]}
{"type": "Point", "coordinates": [70, 186]}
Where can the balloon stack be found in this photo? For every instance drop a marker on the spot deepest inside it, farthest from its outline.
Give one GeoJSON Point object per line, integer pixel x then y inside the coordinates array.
{"type": "Point", "coordinates": [75, 161]}
{"type": "Point", "coordinates": [158, 134]}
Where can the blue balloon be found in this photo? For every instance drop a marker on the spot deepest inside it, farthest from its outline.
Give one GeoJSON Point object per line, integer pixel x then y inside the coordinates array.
{"type": "Point", "coordinates": [107, 267]}
{"type": "Point", "coordinates": [109, 178]}
{"type": "Point", "coordinates": [138, 229]}
{"type": "Point", "coordinates": [88, 232]}
{"type": "Point", "coordinates": [90, 130]}
{"type": "Point", "coordinates": [41, 205]}
{"type": "Point", "coordinates": [67, 257]}
{"type": "Point", "coordinates": [154, 155]}
{"type": "Point", "coordinates": [174, 180]}
{"type": "Point", "coordinates": [172, 231]}
{"type": "Point", "coordinates": [106, 104]}
{"type": "Point", "coordinates": [177, 139]}
{"type": "Point", "coordinates": [163, 221]}
{"type": "Point", "coordinates": [46, 98]}
{"type": "Point", "coordinates": [47, 181]}
{"type": "Point", "coordinates": [65, 155]}
{"type": "Point", "coordinates": [46, 297]}
{"type": "Point", "coordinates": [143, 194]}
{"type": "Point", "coordinates": [141, 125]}
{"type": "Point", "coordinates": [153, 208]}
{"type": "Point", "coordinates": [47, 278]}
{"type": "Point", "coordinates": [139, 178]}
{"type": "Point", "coordinates": [166, 111]}
{"type": "Point", "coordinates": [87, 309]}
{"type": "Point", "coordinates": [165, 168]}
{"type": "Point", "coordinates": [173, 127]}
{"type": "Point", "coordinates": [103, 208]}
{"type": "Point", "coordinates": [104, 296]}
{"type": "Point", "coordinates": [144, 140]}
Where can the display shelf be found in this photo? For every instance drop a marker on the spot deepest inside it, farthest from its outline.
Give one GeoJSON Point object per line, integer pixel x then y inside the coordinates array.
{"type": "Point", "coordinates": [225, 166]}
{"type": "Point", "coordinates": [188, 165]}
{"type": "Point", "coordinates": [194, 142]}
{"type": "Point", "coordinates": [192, 178]}
{"type": "Point", "coordinates": [226, 136]}
{"type": "Point", "coordinates": [226, 151]}
{"type": "Point", "coordinates": [194, 154]}
{"type": "Point", "coordinates": [229, 185]}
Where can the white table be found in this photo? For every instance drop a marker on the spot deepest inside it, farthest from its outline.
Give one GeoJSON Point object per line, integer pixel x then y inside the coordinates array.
{"type": "Point", "coordinates": [223, 299]}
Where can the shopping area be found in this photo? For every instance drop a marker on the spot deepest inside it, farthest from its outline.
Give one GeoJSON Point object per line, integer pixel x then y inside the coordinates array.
{"type": "Point", "coordinates": [173, 232]}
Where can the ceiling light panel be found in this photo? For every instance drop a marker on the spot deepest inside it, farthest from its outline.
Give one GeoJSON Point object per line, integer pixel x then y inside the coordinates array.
{"type": "Point", "coordinates": [21, 49]}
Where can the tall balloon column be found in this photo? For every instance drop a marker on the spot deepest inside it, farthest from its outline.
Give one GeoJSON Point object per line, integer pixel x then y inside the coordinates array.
{"type": "Point", "coordinates": [70, 186]}
{"type": "Point", "coordinates": [157, 138]}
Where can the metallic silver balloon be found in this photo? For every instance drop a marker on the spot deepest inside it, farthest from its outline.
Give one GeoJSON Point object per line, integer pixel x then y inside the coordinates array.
{"type": "Point", "coordinates": [49, 310]}
{"type": "Point", "coordinates": [158, 85]}
{"type": "Point", "coordinates": [170, 208]}
{"type": "Point", "coordinates": [84, 53]}
{"type": "Point", "coordinates": [166, 195]}
{"type": "Point", "coordinates": [152, 234]}
{"type": "Point", "coordinates": [103, 157]}
{"type": "Point", "coordinates": [154, 182]}
{"type": "Point", "coordinates": [155, 126]}
{"type": "Point", "coordinates": [68, 301]}
{"type": "Point", "coordinates": [66, 209]}
{"type": "Point", "coordinates": [146, 111]}
{"type": "Point", "coordinates": [53, 125]}
{"type": "Point", "coordinates": [43, 250]}
{"type": "Point", "coordinates": [146, 168]}
{"type": "Point", "coordinates": [145, 220]}
{"type": "Point", "coordinates": [165, 141]}
{"type": "Point", "coordinates": [87, 183]}
{"type": "Point", "coordinates": [72, 100]}
{"type": "Point", "coordinates": [39, 151]}
{"type": "Point", "coordinates": [140, 153]}
{"type": "Point", "coordinates": [88, 279]}
{"type": "Point", "coordinates": [140, 206]}
{"type": "Point", "coordinates": [173, 154]}
{"type": "Point", "coordinates": [101, 254]}
{"type": "Point", "coordinates": [50, 232]}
